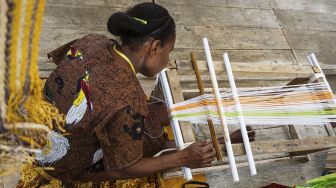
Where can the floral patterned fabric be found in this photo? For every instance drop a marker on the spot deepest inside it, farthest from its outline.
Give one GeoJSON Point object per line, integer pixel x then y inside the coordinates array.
{"type": "Point", "coordinates": [98, 91]}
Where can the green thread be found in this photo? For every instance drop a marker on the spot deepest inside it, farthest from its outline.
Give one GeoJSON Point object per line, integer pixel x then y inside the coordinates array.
{"type": "Point", "coordinates": [140, 20]}
{"type": "Point", "coordinates": [250, 114]}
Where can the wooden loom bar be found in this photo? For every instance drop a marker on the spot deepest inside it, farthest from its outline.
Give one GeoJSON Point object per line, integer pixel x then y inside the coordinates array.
{"type": "Point", "coordinates": [307, 145]}
{"type": "Point", "coordinates": [295, 146]}
{"type": "Point", "coordinates": [210, 123]}
{"type": "Point", "coordinates": [299, 146]}
{"type": "Point", "coordinates": [261, 69]}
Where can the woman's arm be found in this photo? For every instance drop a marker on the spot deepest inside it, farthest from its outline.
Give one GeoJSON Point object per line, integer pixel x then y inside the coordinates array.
{"type": "Point", "coordinates": [197, 155]}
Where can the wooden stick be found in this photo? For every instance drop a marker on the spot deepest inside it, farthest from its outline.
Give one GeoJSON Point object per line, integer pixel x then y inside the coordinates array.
{"type": "Point", "coordinates": [211, 125]}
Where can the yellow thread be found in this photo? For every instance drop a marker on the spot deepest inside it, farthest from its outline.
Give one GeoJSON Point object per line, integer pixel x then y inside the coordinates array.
{"type": "Point", "coordinates": [31, 108]}
{"type": "Point", "coordinates": [25, 43]}
{"type": "Point", "coordinates": [3, 32]}
{"type": "Point", "coordinates": [13, 45]}
{"type": "Point", "coordinates": [29, 140]}
{"type": "Point", "coordinates": [125, 58]}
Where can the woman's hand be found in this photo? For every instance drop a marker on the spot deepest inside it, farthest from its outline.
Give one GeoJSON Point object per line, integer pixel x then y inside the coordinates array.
{"type": "Point", "coordinates": [197, 155]}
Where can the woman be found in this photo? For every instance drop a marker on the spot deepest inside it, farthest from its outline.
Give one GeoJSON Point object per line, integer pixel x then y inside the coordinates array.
{"type": "Point", "coordinates": [113, 131]}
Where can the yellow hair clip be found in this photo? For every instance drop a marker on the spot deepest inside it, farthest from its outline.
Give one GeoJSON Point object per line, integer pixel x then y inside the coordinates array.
{"type": "Point", "coordinates": [140, 20]}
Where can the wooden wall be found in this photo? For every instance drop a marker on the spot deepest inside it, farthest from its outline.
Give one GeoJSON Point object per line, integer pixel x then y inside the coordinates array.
{"type": "Point", "coordinates": [251, 31]}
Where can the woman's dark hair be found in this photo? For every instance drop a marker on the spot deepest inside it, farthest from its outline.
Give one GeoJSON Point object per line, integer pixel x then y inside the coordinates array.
{"type": "Point", "coordinates": [139, 23]}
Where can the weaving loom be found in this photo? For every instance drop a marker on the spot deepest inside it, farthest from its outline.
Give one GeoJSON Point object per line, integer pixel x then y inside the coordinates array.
{"type": "Point", "coordinates": [309, 103]}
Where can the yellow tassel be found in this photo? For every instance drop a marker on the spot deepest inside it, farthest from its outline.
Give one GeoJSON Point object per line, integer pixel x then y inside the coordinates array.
{"type": "Point", "coordinates": [25, 43]}
{"type": "Point", "coordinates": [13, 45]}
{"type": "Point", "coordinates": [32, 107]}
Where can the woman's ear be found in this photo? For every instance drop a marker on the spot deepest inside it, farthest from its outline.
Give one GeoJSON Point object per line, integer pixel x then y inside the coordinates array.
{"type": "Point", "coordinates": [155, 47]}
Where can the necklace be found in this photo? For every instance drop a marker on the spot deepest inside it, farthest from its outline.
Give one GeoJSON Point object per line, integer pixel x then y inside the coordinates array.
{"type": "Point", "coordinates": [125, 58]}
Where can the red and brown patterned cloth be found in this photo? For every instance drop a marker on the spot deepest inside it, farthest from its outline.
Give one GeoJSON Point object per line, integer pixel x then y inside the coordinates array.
{"type": "Point", "coordinates": [119, 121]}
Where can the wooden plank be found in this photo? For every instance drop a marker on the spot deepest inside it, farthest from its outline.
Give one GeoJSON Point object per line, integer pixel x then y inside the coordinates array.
{"type": "Point", "coordinates": [240, 56]}
{"type": "Point", "coordinates": [295, 134]}
{"type": "Point", "coordinates": [331, 159]}
{"type": "Point", "coordinates": [46, 65]}
{"type": "Point", "coordinates": [312, 131]}
{"type": "Point", "coordinates": [305, 5]}
{"type": "Point", "coordinates": [174, 83]}
{"type": "Point", "coordinates": [310, 39]}
{"type": "Point", "coordinates": [74, 17]}
{"type": "Point", "coordinates": [267, 133]}
{"type": "Point", "coordinates": [321, 43]}
{"type": "Point", "coordinates": [52, 38]}
{"type": "Point", "coordinates": [249, 77]}
{"type": "Point", "coordinates": [271, 133]}
{"type": "Point", "coordinates": [255, 4]}
{"type": "Point", "coordinates": [296, 145]}
{"type": "Point", "coordinates": [326, 57]}
{"type": "Point", "coordinates": [220, 3]}
{"type": "Point", "coordinates": [217, 168]}
{"type": "Point", "coordinates": [293, 19]}
{"type": "Point", "coordinates": [188, 87]}
{"type": "Point", "coordinates": [308, 132]}
{"type": "Point", "coordinates": [184, 67]}
{"type": "Point", "coordinates": [188, 15]}
{"type": "Point", "coordinates": [190, 37]}
{"type": "Point", "coordinates": [82, 3]}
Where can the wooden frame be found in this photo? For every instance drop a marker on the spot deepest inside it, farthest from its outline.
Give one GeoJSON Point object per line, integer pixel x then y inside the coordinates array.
{"type": "Point", "coordinates": [180, 72]}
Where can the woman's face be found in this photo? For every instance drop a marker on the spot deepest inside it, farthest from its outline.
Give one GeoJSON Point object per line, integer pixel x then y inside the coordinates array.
{"type": "Point", "coordinates": [157, 57]}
